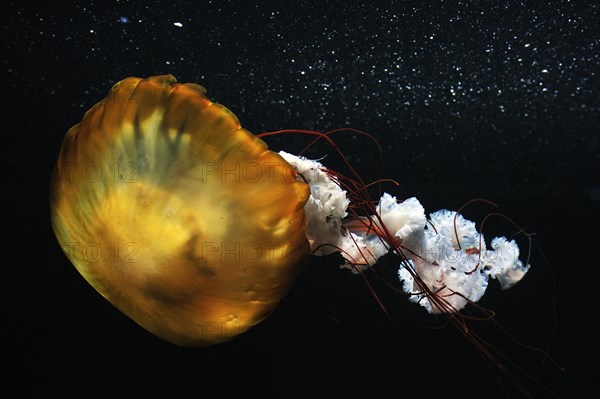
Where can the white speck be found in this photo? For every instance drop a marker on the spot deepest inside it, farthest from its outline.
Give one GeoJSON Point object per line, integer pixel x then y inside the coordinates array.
{"type": "Point", "coordinates": [178, 24]}
{"type": "Point", "coordinates": [544, 71]}
{"type": "Point", "coordinates": [527, 45]}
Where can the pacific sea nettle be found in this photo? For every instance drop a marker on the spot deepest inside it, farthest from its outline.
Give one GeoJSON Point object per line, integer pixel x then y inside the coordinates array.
{"type": "Point", "coordinates": [183, 220]}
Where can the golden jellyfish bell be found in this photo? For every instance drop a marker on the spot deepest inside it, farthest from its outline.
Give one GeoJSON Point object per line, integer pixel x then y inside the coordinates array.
{"type": "Point", "coordinates": [179, 217]}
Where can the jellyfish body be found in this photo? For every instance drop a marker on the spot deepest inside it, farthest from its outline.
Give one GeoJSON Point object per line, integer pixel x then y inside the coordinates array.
{"type": "Point", "coordinates": [192, 227]}
{"type": "Point", "coordinates": [183, 220]}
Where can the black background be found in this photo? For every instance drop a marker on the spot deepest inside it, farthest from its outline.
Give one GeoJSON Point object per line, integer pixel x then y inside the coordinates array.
{"type": "Point", "coordinates": [495, 100]}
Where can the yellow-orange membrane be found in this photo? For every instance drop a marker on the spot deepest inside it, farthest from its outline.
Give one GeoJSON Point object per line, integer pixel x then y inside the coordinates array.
{"type": "Point", "coordinates": [179, 217]}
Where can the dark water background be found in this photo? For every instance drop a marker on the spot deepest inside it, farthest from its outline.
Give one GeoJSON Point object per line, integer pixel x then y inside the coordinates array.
{"type": "Point", "coordinates": [495, 100]}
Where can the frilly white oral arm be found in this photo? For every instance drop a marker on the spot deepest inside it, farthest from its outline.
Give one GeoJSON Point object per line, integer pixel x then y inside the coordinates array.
{"type": "Point", "coordinates": [458, 273]}
{"type": "Point", "coordinates": [447, 253]}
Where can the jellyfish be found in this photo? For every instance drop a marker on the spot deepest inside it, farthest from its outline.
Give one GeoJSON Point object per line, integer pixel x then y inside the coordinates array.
{"type": "Point", "coordinates": [192, 227]}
